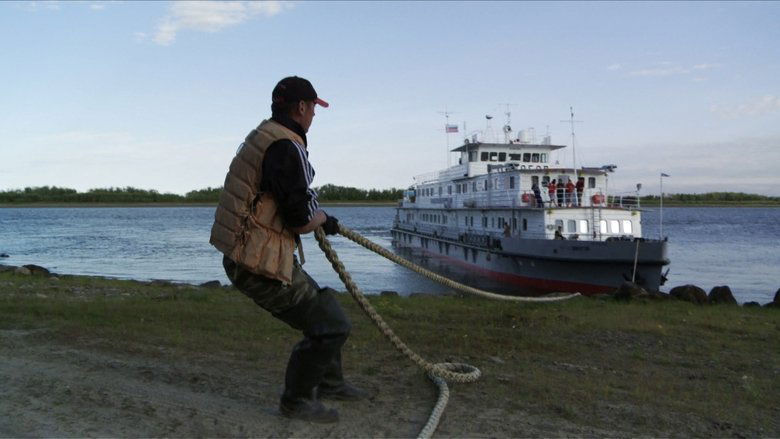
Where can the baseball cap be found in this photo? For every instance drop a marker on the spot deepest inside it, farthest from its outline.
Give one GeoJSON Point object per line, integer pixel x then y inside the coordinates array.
{"type": "Point", "coordinates": [294, 89]}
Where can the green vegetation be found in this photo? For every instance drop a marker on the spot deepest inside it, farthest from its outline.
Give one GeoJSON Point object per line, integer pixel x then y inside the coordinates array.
{"type": "Point", "coordinates": [327, 193]}
{"type": "Point", "coordinates": [712, 199]}
{"type": "Point", "coordinates": [664, 366]}
{"type": "Point", "coordinates": [130, 195]}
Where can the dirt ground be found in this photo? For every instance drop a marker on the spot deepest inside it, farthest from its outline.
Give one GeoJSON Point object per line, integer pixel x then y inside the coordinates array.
{"type": "Point", "coordinates": [48, 389]}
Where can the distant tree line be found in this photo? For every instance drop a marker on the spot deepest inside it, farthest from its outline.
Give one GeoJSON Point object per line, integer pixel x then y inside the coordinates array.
{"type": "Point", "coordinates": [711, 198]}
{"type": "Point", "coordinates": [129, 194]}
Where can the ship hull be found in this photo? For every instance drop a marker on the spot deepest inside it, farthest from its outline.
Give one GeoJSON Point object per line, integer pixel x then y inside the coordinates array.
{"type": "Point", "coordinates": [537, 266]}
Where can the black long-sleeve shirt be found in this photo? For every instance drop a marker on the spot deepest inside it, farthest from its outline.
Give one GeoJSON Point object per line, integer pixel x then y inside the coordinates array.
{"type": "Point", "coordinates": [288, 174]}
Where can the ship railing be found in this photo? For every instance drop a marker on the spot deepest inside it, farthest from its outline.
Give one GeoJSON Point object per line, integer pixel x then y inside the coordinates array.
{"type": "Point", "coordinates": [626, 200]}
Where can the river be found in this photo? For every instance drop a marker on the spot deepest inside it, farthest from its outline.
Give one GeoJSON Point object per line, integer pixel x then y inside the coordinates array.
{"type": "Point", "coordinates": [708, 246]}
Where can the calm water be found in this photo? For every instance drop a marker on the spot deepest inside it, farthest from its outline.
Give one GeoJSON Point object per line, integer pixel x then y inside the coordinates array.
{"type": "Point", "coordinates": [708, 246]}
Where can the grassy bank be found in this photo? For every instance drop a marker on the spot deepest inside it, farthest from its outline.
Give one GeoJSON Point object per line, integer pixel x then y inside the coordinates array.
{"type": "Point", "coordinates": [660, 367]}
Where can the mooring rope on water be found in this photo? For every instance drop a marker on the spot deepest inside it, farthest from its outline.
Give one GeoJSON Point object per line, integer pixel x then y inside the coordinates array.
{"type": "Point", "coordinates": [439, 373]}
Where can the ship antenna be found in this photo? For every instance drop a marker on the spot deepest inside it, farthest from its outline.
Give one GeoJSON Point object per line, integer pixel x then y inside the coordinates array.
{"type": "Point", "coordinates": [447, 130]}
{"type": "Point", "coordinates": [508, 127]}
{"type": "Point", "coordinates": [573, 138]}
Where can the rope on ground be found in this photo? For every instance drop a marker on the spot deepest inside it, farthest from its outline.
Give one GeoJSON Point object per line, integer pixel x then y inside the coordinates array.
{"type": "Point", "coordinates": [439, 373]}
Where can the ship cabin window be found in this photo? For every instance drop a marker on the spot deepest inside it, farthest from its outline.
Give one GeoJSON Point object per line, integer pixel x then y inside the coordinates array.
{"type": "Point", "coordinates": [603, 226]}
{"type": "Point", "coordinates": [515, 157]}
{"type": "Point", "coordinates": [492, 222]}
{"type": "Point", "coordinates": [535, 157]}
{"type": "Point", "coordinates": [501, 156]}
{"type": "Point", "coordinates": [559, 225]}
{"type": "Point", "coordinates": [483, 156]}
{"type": "Point", "coordinates": [527, 157]}
{"type": "Point", "coordinates": [571, 226]}
{"type": "Point", "coordinates": [627, 227]}
{"type": "Point", "coordinates": [543, 157]}
{"type": "Point", "coordinates": [511, 182]}
{"type": "Point", "coordinates": [440, 190]}
{"type": "Point", "coordinates": [546, 180]}
{"type": "Point", "coordinates": [591, 182]}
{"type": "Point", "coordinates": [534, 180]}
{"type": "Point", "coordinates": [465, 187]}
{"type": "Point", "coordinates": [484, 222]}
{"type": "Point", "coordinates": [449, 190]}
{"type": "Point", "coordinates": [514, 223]}
{"type": "Point", "coordinates": [583, 226]}
{"type": "Point", "coordinates": [474, 186]}
{"type": "Point", "coordinates": [472, 156]}
{"type": "Point", "coordinates": [493, 156]}
{"type": "Point", "coordinates": [487, 184]}
{"type": "Point", "coordinates": [614, 226]}
{"type": "Point", "coordinates": [525, 223]}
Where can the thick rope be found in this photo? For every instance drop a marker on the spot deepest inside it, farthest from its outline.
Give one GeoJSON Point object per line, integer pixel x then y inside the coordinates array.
{"type": "Point", "coordinates": [439, 373]}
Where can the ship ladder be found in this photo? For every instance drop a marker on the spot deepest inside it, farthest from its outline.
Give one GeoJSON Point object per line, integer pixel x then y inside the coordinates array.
{"type": "Point", "coordinates": [439, 373]}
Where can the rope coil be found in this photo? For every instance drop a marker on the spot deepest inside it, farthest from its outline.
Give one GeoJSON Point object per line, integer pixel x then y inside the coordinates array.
{"type": "Point", "coordinates": [439, 373]}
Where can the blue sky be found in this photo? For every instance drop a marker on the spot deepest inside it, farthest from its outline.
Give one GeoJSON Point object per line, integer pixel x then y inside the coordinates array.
{"type": "Point", "coordinates": [159, 95]}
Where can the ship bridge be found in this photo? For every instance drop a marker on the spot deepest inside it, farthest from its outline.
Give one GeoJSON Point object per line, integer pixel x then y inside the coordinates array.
{"type": "Point", "coordinates": [476, 158]}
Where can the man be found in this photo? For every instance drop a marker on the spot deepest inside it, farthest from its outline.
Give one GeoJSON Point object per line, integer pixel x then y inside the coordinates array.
{"type": "Point", "coordinates": [265, 205]}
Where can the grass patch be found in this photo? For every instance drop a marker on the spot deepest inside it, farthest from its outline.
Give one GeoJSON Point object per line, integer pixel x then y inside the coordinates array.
{"type": "Point", "coordinates": [655, 366]}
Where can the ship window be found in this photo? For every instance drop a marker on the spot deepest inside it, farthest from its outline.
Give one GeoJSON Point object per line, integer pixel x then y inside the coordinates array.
{"type": "Point", "coordinates": [472, 156]}
{"type": "Point", "coordinates": [474, 256]}
{"type": "Point", "coordinates": [535, 157]}
{"type": "Point", "coordinates": [511, 182]}
{"type": "Point", "coordinates": [449, 190]}
{"type": "Point", "coordinates": [571, 226]}
{"type": "Point", "coordinates": [614, 226]}
{"type": "Point", "coordinates": [546, 180]}
{"type": "Point", "coordinates": [484, 221]}
{"type": "Point", "coordinates": [501, 156]}
{"type": "Point", "coordinates": [493, 156]}
{"type": "Point", "coordinates": [515, 157]}
{"type": "Point", "coordinates": [627, 226]}
{"type": "Point", "coordinates": [514, 223]}
{"type": "Point", "coordinates": [447, 248]}
{"type": "Point", "coordinates": [583, 226]}
{"type": "Point", "coordinates": [465, 253]}
{"type": "Point", "coordinates": [483, 156]}
{"type": "Point", "coordinates": [534, 180]}
{"type": "Point", "coordinates": [559, 225]}
{"type": "Point", "coordinates": [439, 190]}
{"type": "Point", "coordinates": [525, 223]}
{"type": "Point", "coordinates": [591, 182]}
{"type": "Point", "coordinates": [603, 226]}
{"type": "Point", "coordinates": [527, 157]}
{"type": "Point", "coordinates": [492, 222]}
{"type": "Point", "coordinates": [474, 186]}
{"type": "Point", "coordinates": [465, 187]}
{"type": "Point", "coordinates": [543, 157]}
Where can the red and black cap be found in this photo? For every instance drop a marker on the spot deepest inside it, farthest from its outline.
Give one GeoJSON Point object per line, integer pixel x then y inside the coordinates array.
{"type": "Point", "coordinates": [293, 89]}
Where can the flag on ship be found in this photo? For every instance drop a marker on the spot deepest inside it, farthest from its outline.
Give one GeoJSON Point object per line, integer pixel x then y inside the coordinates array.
{"type": "Point", "coordinates": [451, 128]}
{"type": "Point", "coordinates": [664, 175]}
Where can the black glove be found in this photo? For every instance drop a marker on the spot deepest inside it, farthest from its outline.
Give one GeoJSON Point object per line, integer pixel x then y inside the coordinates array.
{"type": "Point", "coordinates": [331, 225]}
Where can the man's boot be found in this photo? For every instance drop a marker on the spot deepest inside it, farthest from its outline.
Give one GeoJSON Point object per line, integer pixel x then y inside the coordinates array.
{"type": "Point", "coordinates": [334, 387]}
{"type": "Point", "coordinates": [306, 409]}
{"type": "Point", "coordinates": [298, 400]}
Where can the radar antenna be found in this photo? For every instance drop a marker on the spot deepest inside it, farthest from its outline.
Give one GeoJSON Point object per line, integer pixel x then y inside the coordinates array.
{"type": "Point", "coordinates": [507, 129]}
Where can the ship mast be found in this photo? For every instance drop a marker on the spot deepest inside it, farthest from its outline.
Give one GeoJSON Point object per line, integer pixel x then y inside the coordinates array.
{"type": "Point", "coordinates": [573, 138]}
{"type": "Point", "coordinates": [447, 131]}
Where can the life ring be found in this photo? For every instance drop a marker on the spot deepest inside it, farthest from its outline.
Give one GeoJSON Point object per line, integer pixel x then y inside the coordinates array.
{"type": "Point", "coordinates": [526, 198]}
{"type": "Point", "coordinates": [597, 199]}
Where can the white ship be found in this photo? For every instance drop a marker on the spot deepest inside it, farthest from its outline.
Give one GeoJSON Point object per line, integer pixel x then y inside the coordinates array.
{"type": "Point", "coordinates": [483, 217]}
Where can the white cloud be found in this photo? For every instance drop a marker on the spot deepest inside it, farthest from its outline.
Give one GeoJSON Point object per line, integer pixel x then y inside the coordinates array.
{"type": "Point", "coordinates": [616, 66]}
{"type": "Point", "coordinates": [754, 107]}
{"type": "Point", "coordinates": [97, 6]}
{"type": "Point", "coordinates": [667, 68]}
{"type": "Point", "coordinates": [211, 16]}
{"type": "Point", "coordinates": [52, 5]}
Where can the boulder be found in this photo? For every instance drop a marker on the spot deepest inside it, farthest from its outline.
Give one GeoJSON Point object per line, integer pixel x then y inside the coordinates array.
{"type": "Point", "coordinates": [628, 291]}
{"type": "Point", "coordinates": [722, 295]}
{"type": "Point", "coordinates": [37, 270]}
{"type": "Point", "coordinates": [4, 255]}
{"type": "Point", "coordinates": [211, 284]}
{"type": "Point", "coordinates": [751, 305]}
{"type": "Point", "coordinates": [23, 271]}
{"type": "Point", "coordinates": [689, 293]}
{"type": "Point", "coordinates": [388, 294]}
